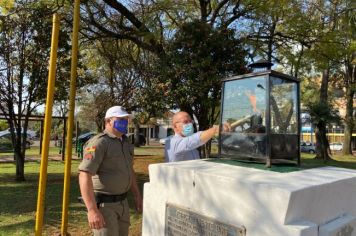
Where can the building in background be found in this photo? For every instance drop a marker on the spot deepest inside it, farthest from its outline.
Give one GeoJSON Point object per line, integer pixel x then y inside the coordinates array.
{"type": "Point", "coordinates": [156, 128]}
{"type": "Point", "coordinates": [335, 132]}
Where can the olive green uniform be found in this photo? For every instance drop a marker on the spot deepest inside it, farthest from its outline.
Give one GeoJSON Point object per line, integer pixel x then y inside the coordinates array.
{"type": "Point", "coordinates": [109, 160]}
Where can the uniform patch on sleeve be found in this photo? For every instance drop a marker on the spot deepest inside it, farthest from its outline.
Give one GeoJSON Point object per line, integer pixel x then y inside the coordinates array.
{"type": "Point", "coordinates": [90, 149]}
{"type": "Point", "coordinates": [88, 156]}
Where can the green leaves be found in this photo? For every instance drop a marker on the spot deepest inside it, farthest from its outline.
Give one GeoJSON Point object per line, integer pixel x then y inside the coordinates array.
{"type": "Point", "coordinates": [6, 6]}
{"type": "Point", "coordinates": [198, 58]}
{"type": "Point", "coordinates": [323, 112]}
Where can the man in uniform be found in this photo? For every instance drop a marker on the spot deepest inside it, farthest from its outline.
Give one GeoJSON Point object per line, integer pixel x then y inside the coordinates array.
{"type": "Point", "coordinates": [106, 175]}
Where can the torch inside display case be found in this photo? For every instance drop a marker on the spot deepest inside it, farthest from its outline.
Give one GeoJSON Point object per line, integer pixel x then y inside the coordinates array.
{"type": "Point", "coordinates": [262, 109]}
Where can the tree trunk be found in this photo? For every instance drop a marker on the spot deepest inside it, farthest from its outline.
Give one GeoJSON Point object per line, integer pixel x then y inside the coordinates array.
{"type": "Point", "coordinates": [208, 149]}
{"type": "Point", "coordinates": [346, 149]}
{"type": "Point", "coordinates": [297, 65]}
{"type": "Point", "coordinates": [203, 125]}
{"type": "Point", "coordinates": [20, 164]}
{"type": "Point", "coordinates": [349, 121]}
{"type": "Point", "coordinates": [322, 144]}
{"type": "Point", "coordinates": [271, 40]}
{"type": "Point", "coordinates": [137, 134]}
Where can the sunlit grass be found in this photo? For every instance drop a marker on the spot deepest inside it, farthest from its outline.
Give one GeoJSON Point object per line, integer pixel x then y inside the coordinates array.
{"type": "Point", "coordinates": [34, 150]}
{"type": "Point", "coordinates": [338, 160]}
{"type": "Point", "coordinates": [149, 150]}
{"type": "Point", "coordinates": [19, 199]}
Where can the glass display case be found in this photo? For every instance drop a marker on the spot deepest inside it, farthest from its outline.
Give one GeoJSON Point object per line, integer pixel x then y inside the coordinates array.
{"type": "Point", "coordinates": [262, 110]}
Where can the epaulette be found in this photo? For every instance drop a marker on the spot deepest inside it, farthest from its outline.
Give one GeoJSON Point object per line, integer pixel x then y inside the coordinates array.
{"type": "Point", "coordinates": [98, 136]}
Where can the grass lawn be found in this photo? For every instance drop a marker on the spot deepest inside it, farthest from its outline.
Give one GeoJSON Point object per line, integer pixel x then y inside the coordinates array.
{"type": "Point", "coordinates": [18, 200]}
{"type": "Point", "coordinates": [33, 151]}
{"type": "Point", "coordinates": [338, 160]}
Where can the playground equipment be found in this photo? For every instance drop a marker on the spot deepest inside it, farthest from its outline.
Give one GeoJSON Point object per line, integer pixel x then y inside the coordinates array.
{"type": "Point", "coordinates": [48, 121]}
{"type": "Point", "coordinates": [47, 127]}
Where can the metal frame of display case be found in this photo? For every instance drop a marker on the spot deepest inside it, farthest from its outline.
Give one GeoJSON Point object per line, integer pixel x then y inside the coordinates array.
{"type": "Point", "coordinates": [271, 158]}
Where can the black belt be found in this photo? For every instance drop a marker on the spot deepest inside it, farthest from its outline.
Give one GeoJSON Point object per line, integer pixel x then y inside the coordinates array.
{"type": "Point", "coordinates": [106, 198]}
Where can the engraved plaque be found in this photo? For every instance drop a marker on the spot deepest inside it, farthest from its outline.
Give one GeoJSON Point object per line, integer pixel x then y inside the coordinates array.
{"type": "Point", "coordinates": [183, 222]}
{"type": "Point", "coordinates": [342, 226]}
{"type": "Point", "coordinates": [345, 231]}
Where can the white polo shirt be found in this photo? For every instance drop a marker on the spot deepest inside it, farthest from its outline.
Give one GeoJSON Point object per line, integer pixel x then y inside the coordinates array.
{"type": "Point", "coordinates": [180, 148]}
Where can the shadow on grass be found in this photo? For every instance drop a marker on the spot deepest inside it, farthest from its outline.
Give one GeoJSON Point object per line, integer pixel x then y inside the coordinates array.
{"type": "Point", "coordinates": [21, 197]}
{"type": "Point", "coordinates": [314, 163]}
{"type": "Point", "coordinates": [25, 228]}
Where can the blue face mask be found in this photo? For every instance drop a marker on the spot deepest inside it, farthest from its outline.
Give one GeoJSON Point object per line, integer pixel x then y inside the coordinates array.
{"type": "Point", "coordinates": [188, 129]}
{"type": "Point", "coordinates": [121, 125]}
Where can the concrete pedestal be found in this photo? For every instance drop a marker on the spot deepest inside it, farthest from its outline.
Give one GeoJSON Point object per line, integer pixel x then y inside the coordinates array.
{"type": "Point", "coordinates": [313, 202]}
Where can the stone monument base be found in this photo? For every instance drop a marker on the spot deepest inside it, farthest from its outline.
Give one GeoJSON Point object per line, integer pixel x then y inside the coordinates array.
{"type": "Point", "coordinates": [207, 198]}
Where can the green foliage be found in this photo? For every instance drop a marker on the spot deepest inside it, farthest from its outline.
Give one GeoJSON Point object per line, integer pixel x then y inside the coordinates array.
{"type": "Point", "coordinates": [92, 110]}
{"type": "Point", "coordinates": [6, 5]}
{"type": "Point", "coordinates": [187, 36]}
{"type": "Point", "coordinates": [197, 60]}
{"type": "Point", "coordinates": [5, 144]}
{"type": "Point", "coordinates": [33, 21]}
{"type": "Point", "coordinates": [309, 90]}
{"type": "Point", "coordinates": [125, 76]}
{"type": "Point", "coordinates": [321, 112]}
{"type": "Point", "coordinates": [25, 43]}
{"type": "Point", "coordinates": [3, 125]}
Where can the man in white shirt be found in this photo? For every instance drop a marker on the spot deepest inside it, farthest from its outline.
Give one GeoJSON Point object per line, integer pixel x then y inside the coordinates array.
{"type": "Point", "coordinates": [183, 145]}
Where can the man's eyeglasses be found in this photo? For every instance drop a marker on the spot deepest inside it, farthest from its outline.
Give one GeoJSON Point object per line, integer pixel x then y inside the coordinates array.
{"type": "Point", "coordinates": [185, 122]}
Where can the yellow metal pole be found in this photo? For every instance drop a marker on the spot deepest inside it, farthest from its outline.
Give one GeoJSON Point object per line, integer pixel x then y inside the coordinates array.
{"type": "Point", "coordinates": [73, 78]}
{"type": "Point", "coordinates": [47, 126]}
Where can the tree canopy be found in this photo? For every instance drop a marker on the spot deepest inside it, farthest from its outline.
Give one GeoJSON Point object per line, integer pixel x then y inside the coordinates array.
{"type": "Point", "coordinates": [151, 56]}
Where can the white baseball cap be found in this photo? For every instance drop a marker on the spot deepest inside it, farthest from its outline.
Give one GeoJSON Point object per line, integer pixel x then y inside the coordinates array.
{"type": "Point", "coordinates": [117, 111]}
